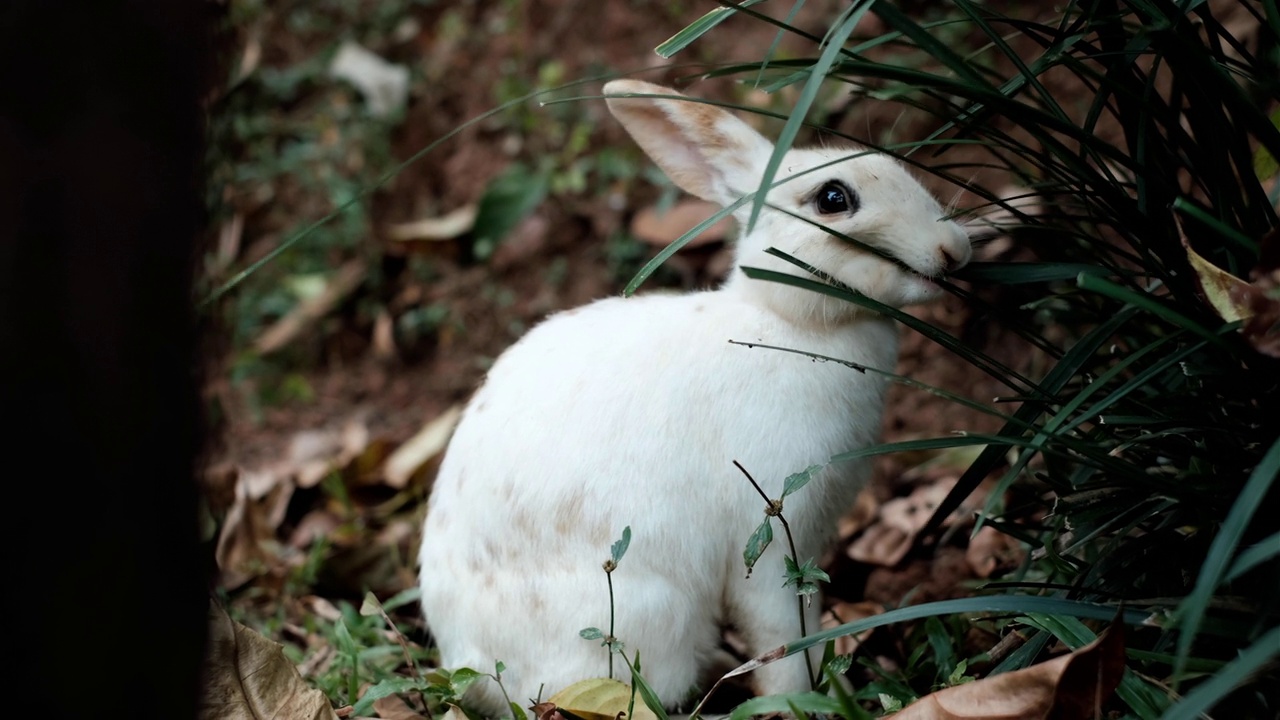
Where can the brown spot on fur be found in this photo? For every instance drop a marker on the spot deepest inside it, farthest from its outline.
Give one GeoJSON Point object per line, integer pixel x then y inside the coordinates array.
{"type": "Point", "coordinates": [488, 581]}
{"type": "Point", "coordinates": [569, 515]}
{"type": "Point", "coordinates": [524, 524]}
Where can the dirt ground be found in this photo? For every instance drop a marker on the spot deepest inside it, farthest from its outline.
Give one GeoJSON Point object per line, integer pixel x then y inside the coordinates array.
{"type": "Point", "coordinates": [272, 470]}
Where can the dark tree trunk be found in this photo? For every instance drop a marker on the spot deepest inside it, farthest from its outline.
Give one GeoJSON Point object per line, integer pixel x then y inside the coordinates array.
{"type": "Point", "coordinates": [101, 143]}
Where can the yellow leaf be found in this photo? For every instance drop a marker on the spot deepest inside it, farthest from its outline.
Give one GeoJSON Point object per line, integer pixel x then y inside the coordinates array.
{"type": "Point", "coordinates": [1217, 285]}
{"type": "Point", "coordinates": [600, 699]}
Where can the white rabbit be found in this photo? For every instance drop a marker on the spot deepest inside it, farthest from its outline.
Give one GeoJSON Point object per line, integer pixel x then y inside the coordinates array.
{"type": "Point", "coordinates": [631, 411]}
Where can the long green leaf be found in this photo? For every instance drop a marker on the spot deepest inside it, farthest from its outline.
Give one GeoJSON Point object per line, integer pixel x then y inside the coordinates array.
{"type": "Point", "coordinates": [1062, 371]}
{"type": "Point", "coordinates": [698, 28]}
{"type": "Point", "coordinates": [1235, 673]}
{"type": "Point", "coordinates": [1191, 611]}
{"type": "Point", "coordinates": [1146, 302]}
{"type": "Point", "coordinates": [1019, 604]}
{"type": "Point", "coordinates": [835, 42]}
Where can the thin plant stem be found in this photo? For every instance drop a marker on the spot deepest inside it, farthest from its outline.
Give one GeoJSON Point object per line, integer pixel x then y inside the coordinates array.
{"type": "Point", "coordinates": [774, 509]}
{"type": "Point", "coordinates": [609, 576]}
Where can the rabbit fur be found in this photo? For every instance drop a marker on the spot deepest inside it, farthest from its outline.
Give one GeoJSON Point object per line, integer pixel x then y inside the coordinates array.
{"type": "Point", "coordinates": [631, 411]}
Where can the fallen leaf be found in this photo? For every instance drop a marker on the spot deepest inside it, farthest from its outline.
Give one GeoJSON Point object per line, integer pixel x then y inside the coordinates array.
{"type": "Point", "coordinates": [392, 707]}
{"type": "Point", "coordinates": [864, 512]}
{"type": "Point", "coordinates": [247, 676]}
{"type": "Point", "coordinates": [421, 448]}
{"type": "Point", "coordinates": [306, 312]}
{"type": "Point", "coordinates": [990, 550]}
{"type": "Point", "coordinates": [319, 661]}
{"type": "Point", "coordinates": [445, 227]}
{"type": "Point", "coordinates": [888, 540]}
{"type": "Point", "coordinates": [1262, 296]}
{"type": "Point", "coordinates": [384, 85]}
{"type": "Point", "coordinates": [261, 500]}
{"type": "Point", "coordinates": [664, 227]}
{"type": "Point", "coordinates": [1070, 687]}
{"type": "Point", "coordinates": [843, 612]}
{"type": "Point", "coordinates": [384, 340]}
{"type": "Point", "coordinates": [526, 239]}
{"type": "Point", "coordinates": [1256, 303]}
{"type": "Point", "coordinates": [598, 699]}
{"type": "Point", "coordinates": [1217, 284]}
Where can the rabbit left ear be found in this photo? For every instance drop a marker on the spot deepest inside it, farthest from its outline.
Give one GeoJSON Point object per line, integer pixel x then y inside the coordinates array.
{"type": "Point", "coordinates": [703, 149]}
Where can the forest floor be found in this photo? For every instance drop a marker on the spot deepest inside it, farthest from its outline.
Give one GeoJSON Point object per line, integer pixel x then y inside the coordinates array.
{"type": "Point", "coordinates": [339, 368]}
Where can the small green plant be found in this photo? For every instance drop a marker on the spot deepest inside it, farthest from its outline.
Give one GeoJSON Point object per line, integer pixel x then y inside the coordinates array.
{"type": "Point", "coordinates": [804, 577]}
{"type": "Point", "coordinates": [438, 687]}
{"type": "Point", "coordinates": [592, 633]}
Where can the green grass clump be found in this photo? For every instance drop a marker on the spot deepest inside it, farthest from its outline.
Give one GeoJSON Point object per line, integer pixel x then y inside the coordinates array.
{"type": "Point", "coordinates": [1138, 128]}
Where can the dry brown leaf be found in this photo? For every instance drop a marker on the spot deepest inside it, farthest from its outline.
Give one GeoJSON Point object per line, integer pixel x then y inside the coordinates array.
{"type": "Point", "coordinates": [384, 336]}
{"type": "Point", "coordinates": [864, 512]}
{"type": "Point", "coordinates": [261, 499]}
{"type": "Point", "coordinates": [421, 448]}
{"type": "Point", "coordinates": [445, 227]}
{"type": "Point", "coordinates": [526, 240]}
{"type": "Point", "coordinates": [889, 539]}
{"type": "Point", "coordinates": [664, 228]}
{"type": "Point", "coordinates": [392, 707]}
{"type": "Point", "coordinates": [247, 676]}
{"type": "Point", "coordinates": [1262, 330]}
{"type": "Point", "coordinates": [305, 313]}
{"type": "Point", "coordinates": [1071, 687]}
{"type": "Point", "coordinates": [314, 454]}
{"type": "Point", "coordinates": [843, 612]}
{"type": "Point", "coordinates": [596, 699]}
{"type": "Point", "coordinates": [990, 550]}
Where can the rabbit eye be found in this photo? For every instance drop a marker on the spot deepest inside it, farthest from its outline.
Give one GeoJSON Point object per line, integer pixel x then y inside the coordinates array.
{"type": "Point", "coordinates": [835, 197]}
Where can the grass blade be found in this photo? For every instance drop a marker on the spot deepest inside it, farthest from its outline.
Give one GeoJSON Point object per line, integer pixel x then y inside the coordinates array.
{"type": "Point", "coordinates": [1200, 700]}
{"type": "Point", "coordinates": [835, 43]}
{"type": "Point", "coordinates": [698, 28]}
{"type": "Point", "coordinates": [1191, 611]}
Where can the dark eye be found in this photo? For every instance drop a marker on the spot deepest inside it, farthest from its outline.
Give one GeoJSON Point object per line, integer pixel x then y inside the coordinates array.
{"type": "Point", "coordinates": [835, 197]}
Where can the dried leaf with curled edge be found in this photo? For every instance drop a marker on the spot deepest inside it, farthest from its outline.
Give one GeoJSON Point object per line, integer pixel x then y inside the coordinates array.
{"type": "Point", "coordinates": [595, 699]}
{"type": "Point", "coordinates": [1071, 687]}
{"type": "Point", "coordinates": [247, 677]}
{"type": "Point", "coordinates": [1256, 303]}
{"type": "Point", "coordinates": [429, 442]}
{"type": "Point", "coordinates": [1217, 284]}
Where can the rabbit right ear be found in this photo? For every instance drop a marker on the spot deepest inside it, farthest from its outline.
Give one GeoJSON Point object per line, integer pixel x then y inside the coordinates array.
{"type": "Point", "coordinates": [703, 149]}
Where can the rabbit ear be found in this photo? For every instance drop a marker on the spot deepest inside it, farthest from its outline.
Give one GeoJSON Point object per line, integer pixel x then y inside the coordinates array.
{"type": "Point", "coordinates": [703, 149]}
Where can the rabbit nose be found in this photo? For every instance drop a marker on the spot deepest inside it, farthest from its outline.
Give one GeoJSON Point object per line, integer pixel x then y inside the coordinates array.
{"type": "Point", "coordinates": [950, 263]}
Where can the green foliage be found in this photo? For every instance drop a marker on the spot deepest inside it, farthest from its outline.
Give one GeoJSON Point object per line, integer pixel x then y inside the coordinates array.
{"type": "Point", "coordinates": [510, 198]}
{"type": "Point", "coordinates": [757, 544]}
{"type": "Point", "coordinates": [1136, 128]}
